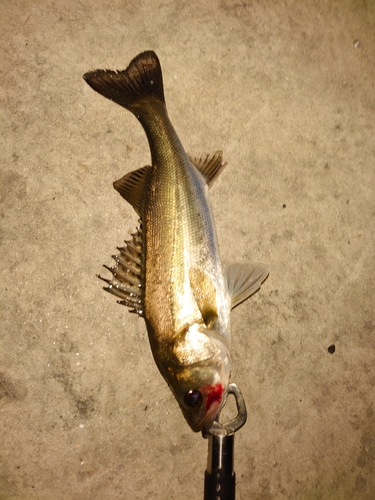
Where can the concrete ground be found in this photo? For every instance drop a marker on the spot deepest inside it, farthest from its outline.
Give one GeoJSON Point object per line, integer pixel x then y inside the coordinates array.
{"type": "Point", "coordinates": [286, 90]}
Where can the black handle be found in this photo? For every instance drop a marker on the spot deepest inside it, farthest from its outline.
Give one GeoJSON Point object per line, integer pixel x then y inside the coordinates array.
{"type": "Point", "coordinates": [220, 479]}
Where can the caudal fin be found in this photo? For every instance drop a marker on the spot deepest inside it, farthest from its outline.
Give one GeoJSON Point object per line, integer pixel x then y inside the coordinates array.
{"type": "Point", "coordinates": [141, 80]}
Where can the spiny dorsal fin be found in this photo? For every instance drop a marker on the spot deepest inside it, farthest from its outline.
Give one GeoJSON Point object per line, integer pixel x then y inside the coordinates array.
{"type": "Point", "coordinates": [132, 187]}
{"type": "Point", "coordinates": [127, 274]}
{"type": "Point", "coordinates": [210, 166]}
{"type": "Point", "coordinates": [141, 79]}
{"type": "Point", "coordinates": [244, 280]}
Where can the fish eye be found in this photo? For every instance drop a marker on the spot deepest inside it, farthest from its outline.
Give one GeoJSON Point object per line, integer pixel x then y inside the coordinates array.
{"type": "Point", "coordinates": [193, 398]}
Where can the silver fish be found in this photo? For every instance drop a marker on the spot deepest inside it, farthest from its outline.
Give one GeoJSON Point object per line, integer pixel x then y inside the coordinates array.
{"type": "Point", "coordinates": [170, 272]}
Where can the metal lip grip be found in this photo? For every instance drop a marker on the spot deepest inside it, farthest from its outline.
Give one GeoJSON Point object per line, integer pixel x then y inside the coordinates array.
{"type": "Point", "coordinates": [220, 478]}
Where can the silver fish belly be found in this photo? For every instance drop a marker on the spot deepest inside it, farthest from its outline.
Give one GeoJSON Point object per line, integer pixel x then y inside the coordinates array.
{"type": "Point", "coordinates": [170, 272]}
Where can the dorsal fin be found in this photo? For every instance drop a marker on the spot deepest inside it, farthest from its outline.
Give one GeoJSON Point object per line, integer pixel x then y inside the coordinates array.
{"type": "Point", "coordinates": [127, 274]}
{"type": "Point", "coordinates": [244, 280]}
{"type": "Point", "coordinates": [142, 79]}
{"type": "Point", "coordinates": [210, 166]}
{"type": "Point", "coordinates": [132, 187]}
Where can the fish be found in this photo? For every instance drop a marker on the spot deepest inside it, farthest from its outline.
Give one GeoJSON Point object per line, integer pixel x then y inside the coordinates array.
{"type": "Point", "coordinates": [170, 271]}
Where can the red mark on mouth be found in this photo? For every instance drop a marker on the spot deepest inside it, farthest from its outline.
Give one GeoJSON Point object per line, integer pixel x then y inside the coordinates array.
{"type": "Point", "coordinates": [214, 395]}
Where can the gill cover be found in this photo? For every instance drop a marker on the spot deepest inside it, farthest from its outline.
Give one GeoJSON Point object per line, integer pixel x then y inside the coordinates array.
{"type": "Point", "coordinates": [199, 379]}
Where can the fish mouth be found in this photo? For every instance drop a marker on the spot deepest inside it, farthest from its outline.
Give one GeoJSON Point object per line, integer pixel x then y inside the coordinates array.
{"type": "Point", "coordinates": [210, 418]}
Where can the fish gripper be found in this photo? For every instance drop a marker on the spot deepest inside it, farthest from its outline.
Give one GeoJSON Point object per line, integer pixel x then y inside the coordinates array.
{"type": "Point", "coordinates": [220, 478]}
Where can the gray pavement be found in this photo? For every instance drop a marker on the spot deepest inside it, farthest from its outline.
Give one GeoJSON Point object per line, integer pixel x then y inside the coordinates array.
{"type": "Point", "coordinates": [286, 90]}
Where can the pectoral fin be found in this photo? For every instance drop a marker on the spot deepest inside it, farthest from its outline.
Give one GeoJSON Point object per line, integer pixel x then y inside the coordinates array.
{"type": "Point", "coordinates": [244, 280]}
{"type": "Point", "coordinates": [205, 295]}
{"type": "Point", "coordinates": [132, 187]}
{"type": "Point", "coordinates": [210, 166]}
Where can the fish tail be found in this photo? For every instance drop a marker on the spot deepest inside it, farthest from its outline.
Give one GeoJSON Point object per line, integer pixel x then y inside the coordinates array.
{"type": "Point", "coordinates": [140, 81]}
